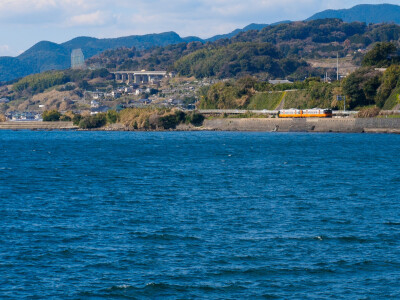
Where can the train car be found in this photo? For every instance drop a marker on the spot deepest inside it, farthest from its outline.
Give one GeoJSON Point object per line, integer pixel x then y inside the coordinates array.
{"type": "Point", "coordinates": [317, 113]}
{"type": "Point", "coordinates": [290, 113]}
{"type": "Point", "coordinates": [305, 113]}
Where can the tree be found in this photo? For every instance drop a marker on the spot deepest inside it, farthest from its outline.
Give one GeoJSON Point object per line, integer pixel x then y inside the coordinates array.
{"type": "Point", "coordinates": [361, 86]}
{"type": "Point", "coordinates": [112, 116]}
{"type": "Point", "coordinates": [380, 56]}
{"type": "Point", "coordinates": [391, 79]}
{"type": "Point", "coordinates": [95, 121]}
{"type": "Point", "coordinates": [51, 115]}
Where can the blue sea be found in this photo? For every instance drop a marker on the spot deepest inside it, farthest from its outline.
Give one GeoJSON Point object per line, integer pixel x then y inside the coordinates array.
{"type": "Point", "coordinates": [199, 215]}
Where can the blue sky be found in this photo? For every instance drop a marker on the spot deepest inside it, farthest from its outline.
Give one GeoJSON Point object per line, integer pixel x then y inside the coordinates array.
{"type": "Point", "coordinates": [26, 22]}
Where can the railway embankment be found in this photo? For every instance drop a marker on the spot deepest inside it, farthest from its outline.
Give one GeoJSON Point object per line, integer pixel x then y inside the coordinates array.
{"type": "Point", "coordinates": [355, 125]}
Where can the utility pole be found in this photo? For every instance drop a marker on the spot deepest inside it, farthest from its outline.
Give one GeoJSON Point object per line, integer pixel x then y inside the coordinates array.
{"type": "Point", "coordinates": [337, 66]}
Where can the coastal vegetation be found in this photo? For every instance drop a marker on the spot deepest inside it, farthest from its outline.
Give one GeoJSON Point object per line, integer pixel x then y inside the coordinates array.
{"type": "Point", "coordinates": [95, 121]}
{"type": "Point", "coordinates": [149, 118]}
{"type": "Point", "coordinates": [368, 112]}
{"type": "Point", "coordinates": [157, 118]}
{"type": "Point", "coordinates": [51, 116]}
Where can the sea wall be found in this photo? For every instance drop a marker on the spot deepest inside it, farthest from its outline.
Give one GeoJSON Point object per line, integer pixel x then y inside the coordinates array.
{"type": "Point", "coordinates": [382, 125]}
{"type": "Point", "coordinates": [37, 125]}
{"type": "Point", "coordinates": [305, 125]}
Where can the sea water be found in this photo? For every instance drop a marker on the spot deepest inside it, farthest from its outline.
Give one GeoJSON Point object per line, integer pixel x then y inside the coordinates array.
{"type": "Point", "coordinates": [191, 215]}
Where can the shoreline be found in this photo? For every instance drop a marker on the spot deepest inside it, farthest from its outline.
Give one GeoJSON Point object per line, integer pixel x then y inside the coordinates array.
{"type": "Point", "coordinates": [340, 125]}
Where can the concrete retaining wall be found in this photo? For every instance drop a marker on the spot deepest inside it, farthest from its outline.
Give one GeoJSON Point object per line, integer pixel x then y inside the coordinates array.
{"type": "Point", "coordinates": [33, 125]}
{"type": "Point", "coordinates": [304, 125]}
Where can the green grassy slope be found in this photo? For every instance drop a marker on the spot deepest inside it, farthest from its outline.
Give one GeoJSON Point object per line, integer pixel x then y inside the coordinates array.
{"type": "Point", "coordinates": [265, 100]}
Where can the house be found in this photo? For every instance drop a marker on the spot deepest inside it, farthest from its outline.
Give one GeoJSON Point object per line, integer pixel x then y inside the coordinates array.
{"type": "Point", "coordinates": [94, 104]}
{"type": "Point", "coordinates": [100, 109]}
{"type": "Point", "coordinates": [115, 94]}
{"type": "Point", "coordinates": [97, 95]}
{"type": "Point", "coordinates": [24, 116]}
{"type": "Point", "coordinates": [139, 91]}
{"type": "Point", "coordinates": [4, 100]}
{"type": "Point", "coordinates": [129, 89]}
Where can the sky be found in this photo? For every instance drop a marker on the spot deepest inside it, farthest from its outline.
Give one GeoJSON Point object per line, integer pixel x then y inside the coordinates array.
{"type": "Point", "coordinates": [23, 23]}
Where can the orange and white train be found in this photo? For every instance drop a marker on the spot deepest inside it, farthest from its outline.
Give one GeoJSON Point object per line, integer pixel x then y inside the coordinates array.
{"type": "Point", "coordinates": [305, 113]}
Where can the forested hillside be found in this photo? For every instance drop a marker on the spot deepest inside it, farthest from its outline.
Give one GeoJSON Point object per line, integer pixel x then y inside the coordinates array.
{"type": "Point", "coordinates": [368, 86]}
{"type": "Point", "coordinates": [275, 51]}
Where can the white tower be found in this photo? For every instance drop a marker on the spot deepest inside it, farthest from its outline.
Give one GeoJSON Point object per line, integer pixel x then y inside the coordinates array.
{"type": "Point", "coordinates": [77, 59]}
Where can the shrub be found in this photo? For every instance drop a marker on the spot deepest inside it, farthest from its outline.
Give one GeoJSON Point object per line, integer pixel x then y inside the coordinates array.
{"type": "Point", "coordinates": [95, 121]}
{"type": "Point", "coordinates": [369, 112]}
{"type": "Point", "coordinates": [169, 121]}
{"type": "Point", "coordinates": [76, 119]}
{"type": "Point", "coordinates": [65, 118]}
{"type": "Point", "coordinates": [51, 116]}
{"type": "Point", "coordinates": [196, 119]}
{"type": "Point", "coordinates": [112, 117]}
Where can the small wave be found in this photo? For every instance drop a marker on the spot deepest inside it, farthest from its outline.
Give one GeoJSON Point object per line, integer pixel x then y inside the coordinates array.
{"type": "Point", "coordinates": [165, 237]}
{"type": "Point", "coordinates": [354, 239]}
{"type": "Point", "coordinates": [153, 287]}
{"type": "Point", "coordinates": [120, 287]}
{"type": "Point", "coordinates": [390, 223]}
{"type": "Point", "coordinates": [268, 271]}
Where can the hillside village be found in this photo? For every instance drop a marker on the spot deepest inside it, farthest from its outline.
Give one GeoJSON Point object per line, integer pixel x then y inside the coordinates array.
{"type": "Point", "coordinates": [171, 92]}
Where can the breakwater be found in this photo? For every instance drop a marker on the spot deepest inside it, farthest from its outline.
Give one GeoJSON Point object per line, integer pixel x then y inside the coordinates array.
{"type": "Point", "coordinates": [37, 125]}
{"type": "Point", "coordinates": [305, 125]}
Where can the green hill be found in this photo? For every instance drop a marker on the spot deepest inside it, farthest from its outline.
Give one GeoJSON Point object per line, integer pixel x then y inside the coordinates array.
{"type": "Point", "coordinates": [51, 56]}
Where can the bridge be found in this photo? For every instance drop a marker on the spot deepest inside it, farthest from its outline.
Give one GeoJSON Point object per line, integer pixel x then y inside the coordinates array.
{"type": "Point", "coordinates": [140, 76]}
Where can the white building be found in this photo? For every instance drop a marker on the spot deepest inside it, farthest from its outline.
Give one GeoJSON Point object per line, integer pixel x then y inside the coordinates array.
{"type": "Point", "coordinates": [94, 104]}
{"type": "Point", "coordinates": [77, 59]}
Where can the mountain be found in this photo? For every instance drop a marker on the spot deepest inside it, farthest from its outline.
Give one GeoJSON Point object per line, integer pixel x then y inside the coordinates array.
{"type": "Point", "coordinates": [367, 13]}
{"type": "Point", "coordinates": [51, 56]}
{"type": "Point", "coordinates": [47, 55]}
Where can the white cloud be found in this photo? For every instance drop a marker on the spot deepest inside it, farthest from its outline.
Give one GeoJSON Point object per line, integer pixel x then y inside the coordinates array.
{"type": "Point", "coordinates": [97, 18]}
{"type": "Point", "coordinates": [5, 50]}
